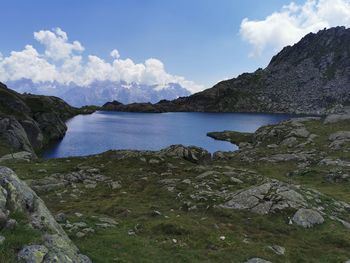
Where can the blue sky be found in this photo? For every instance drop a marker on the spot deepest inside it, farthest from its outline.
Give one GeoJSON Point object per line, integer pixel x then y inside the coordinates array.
{"type": "Point", "coordinates": [197, 39]}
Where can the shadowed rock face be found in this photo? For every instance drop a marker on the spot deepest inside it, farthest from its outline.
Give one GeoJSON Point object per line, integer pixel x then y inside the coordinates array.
{"type": "Point", "coordinates": [29, 122]}
{"type": "Point", "coordinates": [310, 77]}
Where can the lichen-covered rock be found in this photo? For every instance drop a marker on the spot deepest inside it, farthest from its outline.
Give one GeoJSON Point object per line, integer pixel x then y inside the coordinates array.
{"type": "Point", "coordinates": [307, 218]}
{"type": "Point", "coordinates": [33, 254]}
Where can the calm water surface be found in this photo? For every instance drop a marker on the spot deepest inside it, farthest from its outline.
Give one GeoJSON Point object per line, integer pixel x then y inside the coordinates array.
{"type": "Point", "coordinates": [102, 131]}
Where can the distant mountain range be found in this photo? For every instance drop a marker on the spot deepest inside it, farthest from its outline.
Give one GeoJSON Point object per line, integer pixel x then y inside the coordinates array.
{"type": "Point", "coordinates": [310, 77]}
{"type": "Point", "coordinates": [100, 92]}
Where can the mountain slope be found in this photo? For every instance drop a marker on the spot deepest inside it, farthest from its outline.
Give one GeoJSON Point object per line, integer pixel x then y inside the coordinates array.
{"type": "Point", "coordinates": [311, 77]}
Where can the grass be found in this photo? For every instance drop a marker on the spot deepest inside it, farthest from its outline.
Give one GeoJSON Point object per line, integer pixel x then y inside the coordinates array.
{"type": "Point", "coordinates": [15, 239]}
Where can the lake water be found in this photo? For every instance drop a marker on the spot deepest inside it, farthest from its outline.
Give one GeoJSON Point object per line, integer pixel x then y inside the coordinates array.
{"type": "Point", "coordinates": [102, 131]}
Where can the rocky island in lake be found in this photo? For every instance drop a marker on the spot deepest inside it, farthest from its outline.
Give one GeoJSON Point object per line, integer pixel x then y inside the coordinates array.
{"type": "Point", "coordinates": [281, 195]}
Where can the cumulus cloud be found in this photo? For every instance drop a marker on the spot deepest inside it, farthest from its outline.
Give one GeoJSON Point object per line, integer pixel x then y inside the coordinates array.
{"type": "Point", "coordinates": [64, 61]}
{"type": "Point", "coordinates": [292, 22]}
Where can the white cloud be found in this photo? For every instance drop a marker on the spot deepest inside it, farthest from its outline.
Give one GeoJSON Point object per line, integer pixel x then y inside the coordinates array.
{"type": "Point", "coordinates": [56, 43]}
{"type": "Point", "coordinates": [115, 54]}
{"type": "Point", "coordinates": [63, 62]}
{"type": "Point", "coordinates": [292, 22]}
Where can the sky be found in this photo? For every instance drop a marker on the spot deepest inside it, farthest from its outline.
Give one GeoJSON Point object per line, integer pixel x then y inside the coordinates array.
{"type": "Point", "coordinates": [193, 42]}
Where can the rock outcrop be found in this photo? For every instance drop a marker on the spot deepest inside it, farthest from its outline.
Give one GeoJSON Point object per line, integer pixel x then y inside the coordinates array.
{"type": "Point", "coordinates": [29, 122]}
{"type": "Point", "coordinates": [16, 196]}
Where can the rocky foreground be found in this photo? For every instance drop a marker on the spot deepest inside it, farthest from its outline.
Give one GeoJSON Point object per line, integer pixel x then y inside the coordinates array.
{"type": "Point", "coordinates": [283, 197]}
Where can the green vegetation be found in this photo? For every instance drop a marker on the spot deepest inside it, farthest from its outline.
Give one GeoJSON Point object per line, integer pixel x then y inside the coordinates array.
{"type": "Point", "coordinates": [16, 238]}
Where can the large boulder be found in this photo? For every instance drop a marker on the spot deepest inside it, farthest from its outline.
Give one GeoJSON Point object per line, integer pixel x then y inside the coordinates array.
{"type": "Point", "coordinates": [266, 198]}
{"type": "Point", "coordinates": [307, 218]}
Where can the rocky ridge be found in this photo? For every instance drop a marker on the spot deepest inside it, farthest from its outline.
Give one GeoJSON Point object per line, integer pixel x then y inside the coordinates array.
{"type": "Point", "coordinates": [310, 77]}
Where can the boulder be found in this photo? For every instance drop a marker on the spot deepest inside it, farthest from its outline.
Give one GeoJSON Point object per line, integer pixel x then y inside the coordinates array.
{"type": "Point", "coordinates": [340, 135]}
{"type": "Point", "coordinates": [191, 153]}
{"type": "Point", "coordinates": [266, 198]}
{"type": "Point", "coordinates": [278, 249]}
{"type": "Point", "coordinates": [307, 218]}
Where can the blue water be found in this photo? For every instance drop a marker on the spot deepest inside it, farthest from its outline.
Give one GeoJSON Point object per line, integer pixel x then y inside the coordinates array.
{"type": "Point", "coordinates": [102, 131]}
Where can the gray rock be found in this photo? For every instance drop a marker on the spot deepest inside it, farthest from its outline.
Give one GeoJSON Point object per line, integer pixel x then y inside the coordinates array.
{"type": "Point", "coordinates": [191, 153]}
{"type": "Point", "coordinates": [108, 220]}
{"type": "Point", "coordinates": [257, 260]}
{"type": "Point", "coordinates": [340, 135]}
{"type": "Point", "coordinates": [80, 234]}
{"type": "Point", "coordinates": [301, 132]}
{"type": "Point", "coordinates": [307, 218]}
{"type": "Point", "coordinates": [61, 217]}
{"type": "Point", "coordinates": [278, 249]}
{"type": "Point", "coordinates": [289, 142]}
{"type": "Point", "coordinates": [2, 240]}
{"type": "Point", "coordinates": [333, 118]}
{"type": "Point", "coordinates": [11, 224]}
{"type": "Point", "coordinates": [18, 156]}
{"type": "Point", "coordinates": [268, 197]}
{"type": "Point", "coordinates": [33, 254]}
{"type": "Point", "coordinates": [115, 185]}
{"type": "Point", "coordinates": [12, 132]}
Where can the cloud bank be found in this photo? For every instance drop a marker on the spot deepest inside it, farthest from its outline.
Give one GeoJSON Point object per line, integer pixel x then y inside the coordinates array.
{"type": "Point", "coordinates": [64, 62]}
{"type": "Point", "coordinates": [292, 22]}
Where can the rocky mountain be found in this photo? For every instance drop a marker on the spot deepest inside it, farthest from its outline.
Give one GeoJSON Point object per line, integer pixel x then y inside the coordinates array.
{"type": "Point", "coordinates": [99, 92]}
{"type": "Point", "coordinates": [310, 77]}
{"type": "Point", "coordinates": [29, 122]}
